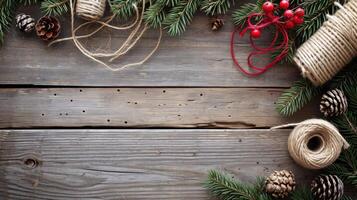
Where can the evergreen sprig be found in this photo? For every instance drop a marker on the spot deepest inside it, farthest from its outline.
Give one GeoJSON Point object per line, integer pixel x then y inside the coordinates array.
{"type": "Point", "coordinates": [55, 7]}
{"type": "Point", "coordinates": [296, 97]}
{"type": "Point", "coordinates": [124, 9]}
{"type": "Point", "coordinates": [239, 16]}
{"type": "Point", "coordinates": [180, 16]}
{"type": "Point", "coordinates": [214, 7]}
{"type": "Point", "coordinates": [223, 186]}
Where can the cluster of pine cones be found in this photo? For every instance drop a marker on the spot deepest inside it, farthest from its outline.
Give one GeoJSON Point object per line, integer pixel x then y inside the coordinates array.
{"type": "Point", "coordinates": [47, 27]}
{"type": "Point", "coordinates": [325, 187]}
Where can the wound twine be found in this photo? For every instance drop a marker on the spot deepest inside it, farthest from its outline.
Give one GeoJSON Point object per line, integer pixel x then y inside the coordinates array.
{"type": "Point", "coordinates": [136, 34]}
{"type": "Point", "coordinates": [315, 143]}
{"type": "Point", "coordinates": [90, 9]}
{"type": "Point", "coordinates": [332, 47]}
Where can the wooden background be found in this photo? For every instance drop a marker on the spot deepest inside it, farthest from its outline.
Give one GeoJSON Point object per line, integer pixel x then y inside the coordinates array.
{"type": "Point", "coordinates": [72, 129]}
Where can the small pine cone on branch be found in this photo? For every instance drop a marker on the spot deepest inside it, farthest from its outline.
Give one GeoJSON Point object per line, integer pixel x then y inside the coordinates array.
{"type": "Point", "coordinates": [327, 187]}
{"type": "Point", "coordinates": [216, 24]}
{"type": "Point", "coordinates": [333, 103]}
{"type": "Point", "coordinates": [48, 28]}
{"type": "Point", "coordinates": [280, 183]}
{"type": "Point", "coordinates": [25, 23]}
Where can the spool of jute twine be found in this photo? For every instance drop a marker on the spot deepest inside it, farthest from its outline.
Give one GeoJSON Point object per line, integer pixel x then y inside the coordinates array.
{"type": "Point", "coordinates": [332, 47]}
{"type": "Point", "coordinates": [90, 9]}
{"type": "Point", "coordinates": [315, 143]}
{"type": "Point", "coordinates": [138, 29]}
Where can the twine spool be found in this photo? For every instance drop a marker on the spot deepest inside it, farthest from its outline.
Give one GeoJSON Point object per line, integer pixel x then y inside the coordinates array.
{"type": "Point", "coordinates": [90, 9]}
{"type": "Point", "coordinates": [332, 47]}
{"type": "Point", "coordinates": [315, 143]}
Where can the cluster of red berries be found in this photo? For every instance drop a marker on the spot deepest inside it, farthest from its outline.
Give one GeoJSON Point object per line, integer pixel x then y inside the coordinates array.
{"type": "Point", "coordinates": [292, 18]}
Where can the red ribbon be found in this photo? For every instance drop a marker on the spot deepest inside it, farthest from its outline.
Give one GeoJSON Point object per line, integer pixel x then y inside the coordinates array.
{"type": "Point", "coordinates": [267, 20]}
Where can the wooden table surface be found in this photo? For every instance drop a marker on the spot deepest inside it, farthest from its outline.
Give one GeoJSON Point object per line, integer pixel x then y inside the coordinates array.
{"type": "Point", "coordinates": [70, 128]}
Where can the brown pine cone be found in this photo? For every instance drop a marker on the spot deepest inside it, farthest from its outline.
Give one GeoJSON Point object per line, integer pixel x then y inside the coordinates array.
{"type": "Point", "coordinates": [327, 187]}
{"type": "Point", "coordinates": [217, 23]}
{"type": "Point", "coordinates": [333, 103]}
{"type": "Point", "coordinates": [280, 183]}
{"type": "Point", "coordinates": [48, 28]}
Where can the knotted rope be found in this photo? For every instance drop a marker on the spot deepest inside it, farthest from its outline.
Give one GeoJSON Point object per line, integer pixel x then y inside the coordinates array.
{"type": "Point", "coordinates": [332, 47]}
{"type": "Point", "coordinates": [129, 43]}
{"type": "Point", "coordinates": [315, 143]}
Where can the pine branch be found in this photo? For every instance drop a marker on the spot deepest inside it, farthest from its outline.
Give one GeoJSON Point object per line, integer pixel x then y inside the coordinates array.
{"type": "Point", "coordinates": [55, 7]}
{"type": "Point", "coordinates": [216, 7]}
{"type": "Point", "coordinates": [239, 17]}
{"type": "Point", "coordinates": [302, 193]}
{"type": "Point", "coordinates": [124, 9]}
{"type": "Point", "coordinates": [294, 98]}
{"type": "Point", "coordinates": [7, 8]}
{"type": "Point", "coordinates": [226, 188]}
{"type": "Point", "coordinates": [180, 16]}
{"type": "Point", "coordinates": [155, 14]}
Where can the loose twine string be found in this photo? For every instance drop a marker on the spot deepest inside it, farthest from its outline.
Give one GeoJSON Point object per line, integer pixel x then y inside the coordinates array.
{"type": "Point", "coordinates": [332, 47]}
{"type": "Point", "coordinates": [128, 44]}
{"type": "Point", "coordinates": [326, 151]}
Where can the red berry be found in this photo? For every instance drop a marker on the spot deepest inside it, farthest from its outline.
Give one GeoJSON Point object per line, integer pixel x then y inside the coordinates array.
{"type": "Point", "coordinates": [289, 24]}
{"type": "Point", "coordinates": [255, 33]}
{"type": "Point", "coordinates": [299, 12]}
{"type": "Point", "coordinates": [288, 14]}
{"type": "Point", "coordinates": [284, 4]}
{"type": "Point", "coordinates": [298, 20]}
{"type": "Point", "coordinates": [268, 7]}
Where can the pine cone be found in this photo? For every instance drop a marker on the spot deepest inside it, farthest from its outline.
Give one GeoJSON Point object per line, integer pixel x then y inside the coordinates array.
{"type": "Point", "coordinates": [280, 183]}
{"type": "Point", "coordinates": [25, 22]}
{"type": "Point", "coordinates": [333, 103]}
{"type": "Point", "coordinates": [327, 187]}
{"type": "Point", "coordinates": [48, 28]}
{"type": "Point", "coordinates": [216, 24]}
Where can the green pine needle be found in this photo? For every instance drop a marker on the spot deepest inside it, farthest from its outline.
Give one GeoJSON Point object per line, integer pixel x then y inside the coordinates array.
{"type": "Point", "coordinates": [155, 14]}
{"type": "Point", "coordinates": [239, 17]}
{"type": "Point", "coordinates": [55, 7]}
{"type": "Point", "coordinates": [124, 9]}
{"type": "Point", "coordinates": [294, 98]}
{"type": "Point", "coordinates": [225, 187]}
{"type": "Point", "coordinates": [216, 7]}
{"type": "Point", "coordinates": [180, 16]}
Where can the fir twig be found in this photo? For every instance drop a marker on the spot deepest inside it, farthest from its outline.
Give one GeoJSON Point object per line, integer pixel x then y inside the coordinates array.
{"type": "Point", "coordinates": [226, 188]}
{"type": "Point", "coordinates": [216, 7]}
{"type": "Point", "coordinates": [240, 15]}
{"type": "Point", "coordinates": [155, 14]}
{"type": "Point", "coordinates": [55, 7]}
{"type": "Point", "coordinates": [124, 9]}
{"type": "Point", "coordinates": [180, 16]}
{"type": "Point", "coordinates": [294, 98]}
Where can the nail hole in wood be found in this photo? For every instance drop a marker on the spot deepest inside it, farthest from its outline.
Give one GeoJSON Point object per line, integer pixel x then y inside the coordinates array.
{"type": "Point", "coordinates": [108, 120]}
{"type": "Point", "coordinates": [83, 111]}
{"type": "Point", "coordinates": [43, 114]}
{"type": "Point", "coordinates": [136, 102]}
{"type": "Point", "coordinates": [80, 90]}
{"type": "Point", "coordinates": [60, 114]}
{"type": "Point", "coordinates": [164, 91]}
{"type": "Point", "coordinates": [201, 94]}
{"type": "Point", "coordinates": [125, 122]}
{"type": "Point", "coordinates": [229, 115]}
{"type": "Point", "coordinates": [66, 114]}
{"type": "Point", "coordinates": [118, 90]}
{"type": "Point", "coordinates": [31, 163]}
{"type": "Point", "coordinates": [71, 100]}
{"type": "Point", "coordinates": [55, 94]}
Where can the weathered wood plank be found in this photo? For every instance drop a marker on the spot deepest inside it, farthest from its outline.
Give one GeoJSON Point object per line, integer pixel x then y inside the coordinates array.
{"type": "Point", "coordinates": [199, 58]}
{"type": "Point", "coordinates": [142, 107]}
{"type": "Point", "coordinates": [133, 164]}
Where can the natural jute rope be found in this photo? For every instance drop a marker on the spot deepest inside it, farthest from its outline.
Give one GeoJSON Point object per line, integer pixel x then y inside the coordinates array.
{"type": "Point", "coordinates": [139, 28]}
{"type": "Point", "coordinates": [332, 47]}
{"type": "Point", "coordinates": [90, 9]}
{"type": "Point", "coordinates": [315, 143]}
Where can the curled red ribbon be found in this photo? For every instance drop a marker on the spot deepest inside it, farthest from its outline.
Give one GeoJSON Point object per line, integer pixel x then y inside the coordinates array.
{"type": "Point", "coordinates": [268, 20]}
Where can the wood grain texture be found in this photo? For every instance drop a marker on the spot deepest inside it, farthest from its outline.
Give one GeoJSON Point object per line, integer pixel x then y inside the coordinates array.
{"type": "Point", "coordinates": [133, 164]}
{"type": "Point", "coordinates": [200, 57]}
{"type": "Point", "coordinates": [142, 107]}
